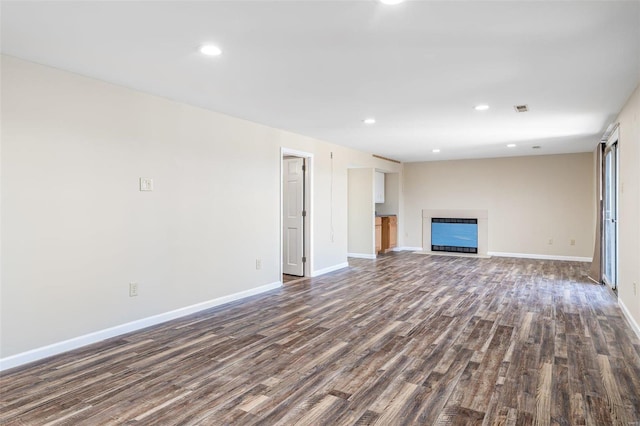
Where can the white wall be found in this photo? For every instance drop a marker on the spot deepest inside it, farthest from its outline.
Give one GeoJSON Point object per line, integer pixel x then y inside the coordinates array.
{"type": "Point", "coordinates": [529, 200]}
{"type": "Point", "coordinates": [361, 212]}
{"type": "Point", "coordinates": [629, 204]}
{"type": "Point", "coordinates": [76, 230]}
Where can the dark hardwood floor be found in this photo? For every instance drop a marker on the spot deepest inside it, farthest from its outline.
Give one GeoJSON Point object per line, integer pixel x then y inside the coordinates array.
{"type": "Point", "coordinates": [286, 279]}
{"type": "Point", "coordinates": [405, 339]}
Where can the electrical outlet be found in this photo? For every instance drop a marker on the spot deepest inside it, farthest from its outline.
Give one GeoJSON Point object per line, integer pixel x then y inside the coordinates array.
{"type": "Point", "coordinates": [146, 184]}
{"type": "Point", "coordinates": [550, 241]}
{"type": "Point", "coordinates": [133, 289]}
{"type": "Point", "coordinates": [258, 264]}
{"type": "Point", "coordinates": [572, 242]}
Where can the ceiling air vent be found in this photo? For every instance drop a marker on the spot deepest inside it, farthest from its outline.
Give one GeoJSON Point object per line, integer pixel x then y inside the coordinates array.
{"type": "Point", "coordinates": [521, 108]}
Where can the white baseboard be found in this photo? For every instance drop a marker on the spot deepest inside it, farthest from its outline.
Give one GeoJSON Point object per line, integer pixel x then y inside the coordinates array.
{"type": "Point", "coordinates": [329, 269]}
{"type": "Point", "coordinates": [453, 254]}
{"type": "Point", "coordinates": [97, 336]}
{"type": "Point", "coordinates": [407, 249]}
{"type": "Point", "coordinates": [540, 256]}
{"type": "Point", "coordinates": [361, 255]}
{"type": "Point", "coordinates": [632, 322]}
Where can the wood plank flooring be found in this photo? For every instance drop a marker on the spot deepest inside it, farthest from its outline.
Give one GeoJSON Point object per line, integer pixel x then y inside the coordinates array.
{"type": "Point", "coordinates": [287, 279]}
{"type": "Point", "coordinates": [405, 339]}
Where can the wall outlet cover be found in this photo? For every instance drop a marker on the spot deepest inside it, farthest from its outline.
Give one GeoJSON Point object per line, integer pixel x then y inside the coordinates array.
{"type": "Point", "coordinates": [146, 184]}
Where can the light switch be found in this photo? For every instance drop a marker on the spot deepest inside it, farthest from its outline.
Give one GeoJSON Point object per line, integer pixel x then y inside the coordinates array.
{"type": "Point", "coordinates": [146, 184]}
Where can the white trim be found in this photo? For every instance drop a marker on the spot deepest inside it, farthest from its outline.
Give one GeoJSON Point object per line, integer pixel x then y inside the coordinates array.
{"type": "Point", "coordinates": [407, 249]}
{"type": "Point", "coordinates": [632, 322]}
{"type": "Point", "coordinates": [329, 269]}
{"type": "Point", "coordinates": [308, 243]}
{"type": "Point", "coordinates": [295, 152]}
{"type": "Point", "coordinates": [97, 336]}
{"type": "Point", "coordinates": [361, 255]}
{"type": "Point", "coordinates": [614, 136]}
{"type": "Point", "coordinates": [541, 256]}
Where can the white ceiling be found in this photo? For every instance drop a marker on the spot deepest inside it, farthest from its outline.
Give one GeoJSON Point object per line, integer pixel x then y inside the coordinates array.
{"type": "Point", "coordinates": [319, 68]}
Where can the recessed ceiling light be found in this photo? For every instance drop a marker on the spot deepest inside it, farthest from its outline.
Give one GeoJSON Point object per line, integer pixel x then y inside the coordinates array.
{"type": "Point", "coordinates": [210, 50]}
{"type": "Point", "coordinates": [435, 151]}
{"type": "Point", "coordinates": [369, 121]}
{"type": "Point", "coordinates": [482, 107]}
{"type": "Point", "coordinates": [511, 145]}
{"type": "Point", "coordinates": [391, 2]}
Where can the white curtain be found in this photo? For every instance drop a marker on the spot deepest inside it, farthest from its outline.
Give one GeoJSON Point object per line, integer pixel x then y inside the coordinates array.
{"type": "Point", "coordinates": [595, 273]}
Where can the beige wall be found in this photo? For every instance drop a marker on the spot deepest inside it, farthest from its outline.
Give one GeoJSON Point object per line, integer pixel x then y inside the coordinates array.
{"type": "Point", "coordinates": [629, 204]}
{"type": "Point", "coordinates": [76, 230]}
{"type": "Point", "coordinates": [361, 214]}
{"type": "Point", "coordinates": [530, 200]}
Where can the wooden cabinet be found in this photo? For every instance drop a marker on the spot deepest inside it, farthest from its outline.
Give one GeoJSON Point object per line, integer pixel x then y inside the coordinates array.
{"type": "Point", "coordinates": [393, 232]}
{"type": "Point", "coordinates": [379, 188]}
{"type": "Point", "coordinates": [389, 233]}
{"type": "Point", "coordinates": [378, 234]}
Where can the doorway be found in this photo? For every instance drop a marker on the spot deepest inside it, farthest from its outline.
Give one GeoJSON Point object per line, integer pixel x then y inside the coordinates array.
{"type": "Point", "coordinates": [610, 213]}
{"type": "Point", "coordinates": [295, 196]}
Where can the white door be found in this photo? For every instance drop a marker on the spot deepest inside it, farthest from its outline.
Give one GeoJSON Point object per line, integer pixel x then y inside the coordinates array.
{"type": "Point", "coordinates": [293, 219]}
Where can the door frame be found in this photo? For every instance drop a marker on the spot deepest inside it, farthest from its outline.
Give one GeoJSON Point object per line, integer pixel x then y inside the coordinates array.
{"type": "Point", "coordinates": [308, 206]}
{"type": "Point", "coordinates": [613, 139]}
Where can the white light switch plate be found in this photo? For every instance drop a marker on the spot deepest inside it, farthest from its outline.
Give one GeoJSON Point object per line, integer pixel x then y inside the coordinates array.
{"type": "Point", "coordinates": [146, 184]}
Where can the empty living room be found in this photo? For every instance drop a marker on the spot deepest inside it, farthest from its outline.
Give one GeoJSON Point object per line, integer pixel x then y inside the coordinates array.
{"type": "Point", "coordinates": [320, 212]}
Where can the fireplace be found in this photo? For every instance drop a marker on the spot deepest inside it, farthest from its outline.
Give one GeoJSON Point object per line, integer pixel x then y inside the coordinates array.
{"type": "Point", "coordinates": [455, 235]}
{"type": "Point", "coordinates": [482, 234]}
